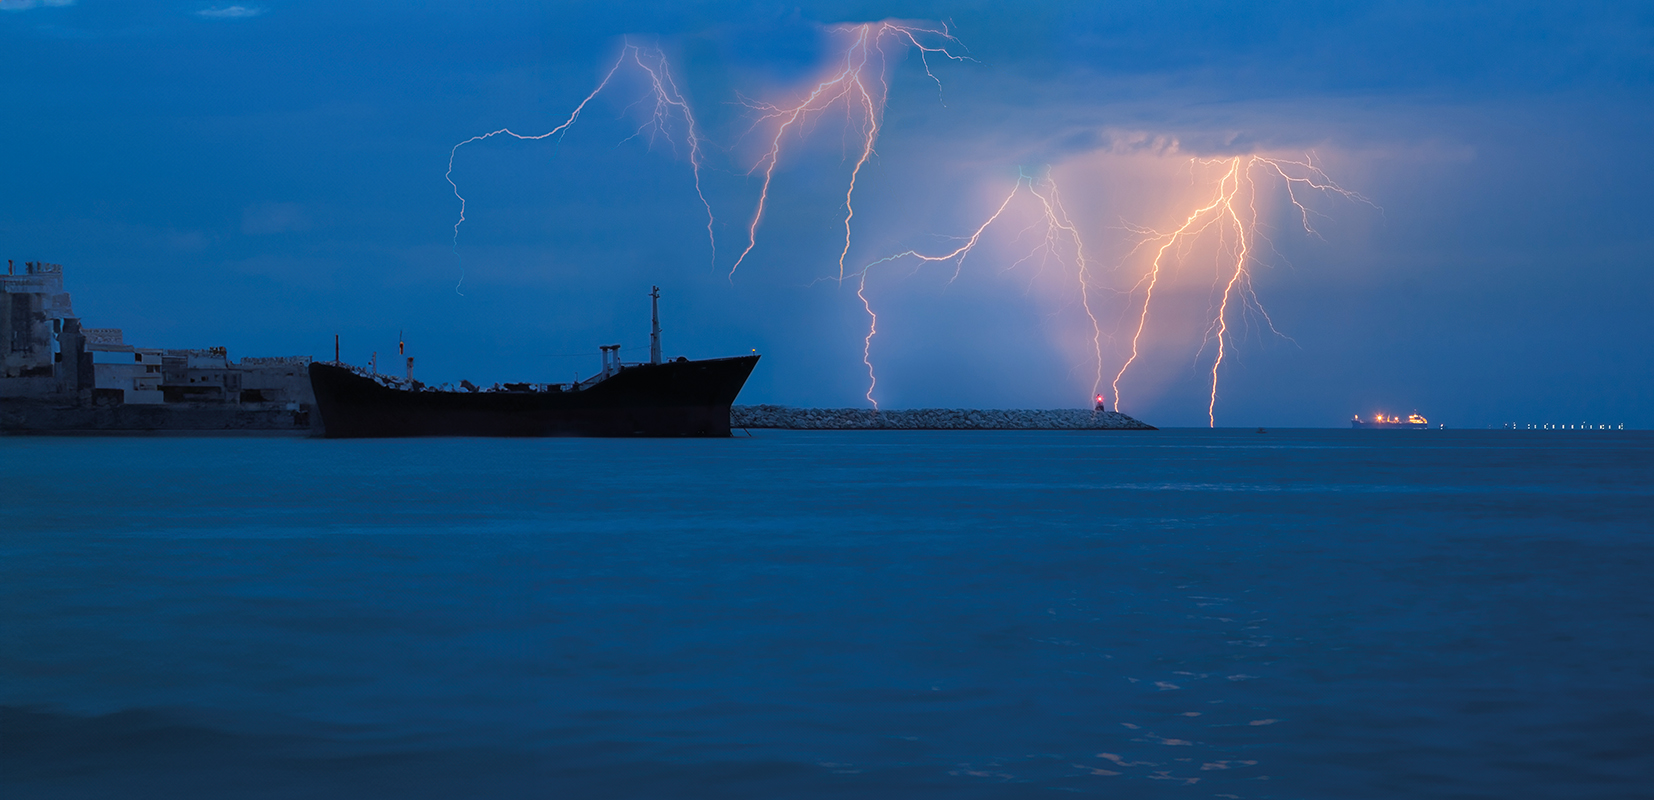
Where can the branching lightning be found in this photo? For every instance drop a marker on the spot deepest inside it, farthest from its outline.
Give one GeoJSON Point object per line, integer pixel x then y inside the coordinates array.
{"type": "Point", "coordinates": [1057, 220]}
{"type": "Point", "coordinates": [1226, 222]}
{"type": "Point", "coordinates": [863, 87]}
{"type": "Point", "coordinates": [1059, 230]}
{"type": "Point", "coordinates": [668, 101]}
{"type": "Point", "coordinates": [1231, 214]}
{"type": "Point", "coordinates": [957, 255]}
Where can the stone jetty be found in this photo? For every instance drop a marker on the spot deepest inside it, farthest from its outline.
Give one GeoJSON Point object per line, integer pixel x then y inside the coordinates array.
{"type": "Point", "coordinates": [931, 419]}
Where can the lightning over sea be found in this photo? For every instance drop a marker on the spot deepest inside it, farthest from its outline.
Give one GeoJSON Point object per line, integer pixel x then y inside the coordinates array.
{"type": "Point", "coordinates": [1111, 300]}
{"type": "Point", "coordinates": [1230, 216]}
{"type": "Point", "coordinates": [1058, 241]}
{"type": "Point", "coordinates": [1228, 222]}
{"type": "Point", "coordinates": [1113, 304]}
{"type": "Point", "coordinates": [869, 520]}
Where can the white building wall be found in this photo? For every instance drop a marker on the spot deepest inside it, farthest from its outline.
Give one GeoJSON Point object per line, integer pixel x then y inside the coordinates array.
{"type": "Point", "coordinates": [136, 372]}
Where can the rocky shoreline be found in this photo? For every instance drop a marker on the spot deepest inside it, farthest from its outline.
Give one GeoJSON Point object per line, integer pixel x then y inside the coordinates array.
{"type": "Point", "coordinates": [931, 419]}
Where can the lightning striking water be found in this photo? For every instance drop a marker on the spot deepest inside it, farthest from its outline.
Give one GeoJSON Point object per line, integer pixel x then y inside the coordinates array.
{"type": "Point", "coordinates": [863, 86]}
{"type": "Point", "coordinates": [1059, 238]}
{"type": "Point", "coordinates": [1231, 214]}
{"type": "Point", "coordinates": [668, 101]}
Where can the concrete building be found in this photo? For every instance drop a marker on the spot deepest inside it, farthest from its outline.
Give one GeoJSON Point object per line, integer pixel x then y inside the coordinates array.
{"type": "Point", "coordinates": [33, 311]}
{"type": "Point", "coordinates": [57, 375]}
{"type": "Point", "coordinates": [115, 365]}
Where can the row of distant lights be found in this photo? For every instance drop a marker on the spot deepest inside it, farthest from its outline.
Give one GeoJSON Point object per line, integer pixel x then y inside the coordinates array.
{"type": "Point", "coordinates": [1511, 426]}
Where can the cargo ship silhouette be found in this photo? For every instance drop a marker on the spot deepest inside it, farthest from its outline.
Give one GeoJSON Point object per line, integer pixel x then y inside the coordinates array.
{"type": "Point", "coordinates": [659, 398]}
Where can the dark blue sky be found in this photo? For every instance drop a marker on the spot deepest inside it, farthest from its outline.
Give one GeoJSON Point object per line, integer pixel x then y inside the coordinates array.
{"type": "Point", "coordinates": [264, 175]}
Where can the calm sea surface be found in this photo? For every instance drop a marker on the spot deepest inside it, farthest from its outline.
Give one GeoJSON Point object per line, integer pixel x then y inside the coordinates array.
{"type": "Point", "coordinates": [1172, 614]}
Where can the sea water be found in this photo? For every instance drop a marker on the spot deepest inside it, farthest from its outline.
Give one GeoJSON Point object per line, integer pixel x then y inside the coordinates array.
{"type": "Point", "coordinates": [1171, 614]}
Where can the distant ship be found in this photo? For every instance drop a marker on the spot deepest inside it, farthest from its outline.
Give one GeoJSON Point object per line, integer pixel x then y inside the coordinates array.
{"type": "Point", "coordinates": [1413, 421]}
{"type": "Point", "coordinates": [660, 398]}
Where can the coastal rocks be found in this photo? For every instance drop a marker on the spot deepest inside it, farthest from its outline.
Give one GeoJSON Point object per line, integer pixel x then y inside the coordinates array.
{"type": "Point", "coordinates": [936, 419]}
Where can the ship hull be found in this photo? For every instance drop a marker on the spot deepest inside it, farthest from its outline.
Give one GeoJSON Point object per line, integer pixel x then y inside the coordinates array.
{"type": "Point", "coordinates": [672, 399]}
{"type": "Point", "coordinates": [1410, 426]}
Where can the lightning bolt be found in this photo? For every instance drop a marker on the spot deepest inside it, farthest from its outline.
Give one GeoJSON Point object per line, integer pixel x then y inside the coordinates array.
{"type": "Point", "coordinates": [1057, 220]}
{"type": "Point", "coordinates": [864, 91]}
{"type": "Point", "coordinates": [668, 100]}
{"type": "Point", "coordinates": [957, 255]}
{"type": "Point", "coordinates": [1236, 226]}
{"type": "Point", "coordinates": [1059, 228]}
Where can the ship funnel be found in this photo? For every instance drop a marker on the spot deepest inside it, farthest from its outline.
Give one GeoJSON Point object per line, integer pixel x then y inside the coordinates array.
{"type": "Point", "coordinates": [654, 322]}
{"type": "Point", "coordinates": [611, 366]}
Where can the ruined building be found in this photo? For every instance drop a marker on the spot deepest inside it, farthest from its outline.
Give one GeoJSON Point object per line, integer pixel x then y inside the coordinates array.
{"type": "Point", "coordinates": [56, 375]}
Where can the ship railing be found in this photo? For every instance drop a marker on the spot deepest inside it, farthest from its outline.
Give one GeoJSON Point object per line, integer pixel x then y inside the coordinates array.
{"type": "Point", "coordinates": [387, 381]}
{"type": "Point", "coordinates": [407, 385]}
{"type": "Point", "coordinates": [404, 384]}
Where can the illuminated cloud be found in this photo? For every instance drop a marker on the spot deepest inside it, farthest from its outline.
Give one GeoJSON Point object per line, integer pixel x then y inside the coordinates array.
{"type": "Point", "coordinates": [230, 12]}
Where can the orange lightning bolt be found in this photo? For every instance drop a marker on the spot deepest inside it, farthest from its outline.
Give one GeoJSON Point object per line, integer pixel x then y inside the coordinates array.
{"type": "Point", "coordinates": [1237, 232]}
{"type": "Point", "coordinates": [852, 82]}
{"type": "Point", "coordinates": [1056, 219]}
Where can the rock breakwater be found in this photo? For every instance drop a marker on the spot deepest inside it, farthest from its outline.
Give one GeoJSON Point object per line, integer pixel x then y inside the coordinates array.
{"type": "Point", "coordinates": [933, 419]}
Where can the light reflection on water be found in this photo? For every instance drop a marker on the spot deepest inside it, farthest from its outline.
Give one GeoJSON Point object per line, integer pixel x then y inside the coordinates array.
{"type": "Point", "coordinates": [1307, 614]}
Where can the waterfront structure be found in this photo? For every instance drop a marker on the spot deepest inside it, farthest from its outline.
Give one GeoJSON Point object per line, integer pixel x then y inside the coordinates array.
{"type": "Point", "coordinates": [58, 376]}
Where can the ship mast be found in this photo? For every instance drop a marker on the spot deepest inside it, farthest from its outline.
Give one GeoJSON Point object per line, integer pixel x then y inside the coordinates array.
{"type": "Point", "coordinates": [654, 319]}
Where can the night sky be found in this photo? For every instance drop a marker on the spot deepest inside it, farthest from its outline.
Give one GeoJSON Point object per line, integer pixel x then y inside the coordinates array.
{"type": "Point", "coordinates": [266, 175]}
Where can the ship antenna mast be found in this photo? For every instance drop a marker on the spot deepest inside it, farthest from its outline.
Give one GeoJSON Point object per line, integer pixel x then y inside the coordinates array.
{"type": "Point", "coordinates": [654, 320]}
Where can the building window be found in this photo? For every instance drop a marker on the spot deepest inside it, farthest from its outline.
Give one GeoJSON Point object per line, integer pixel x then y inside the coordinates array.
{"type": "Point", "coordinates": [20, 322]}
